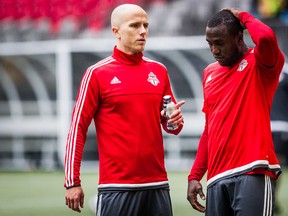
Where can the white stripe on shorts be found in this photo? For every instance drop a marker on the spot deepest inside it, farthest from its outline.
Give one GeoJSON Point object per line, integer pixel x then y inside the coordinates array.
{"type": "Point", "coordinates": [99, 204]}
{"type": "Point", "coordinates": [267, 211]}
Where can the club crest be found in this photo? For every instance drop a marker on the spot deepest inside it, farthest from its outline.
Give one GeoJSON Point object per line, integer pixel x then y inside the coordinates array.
{"type": "Point", "coordinates": [243, 64]}
{"type": "Point", "coordinates": [153, 79]}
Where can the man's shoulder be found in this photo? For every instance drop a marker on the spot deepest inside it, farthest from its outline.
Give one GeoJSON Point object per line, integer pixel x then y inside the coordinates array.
{"type": "Point", "coordinates": [101, 64]}
{"type": "Point", "coordinates": [212, 67]}
{"type": "Point", "coordinates": [151, 61]}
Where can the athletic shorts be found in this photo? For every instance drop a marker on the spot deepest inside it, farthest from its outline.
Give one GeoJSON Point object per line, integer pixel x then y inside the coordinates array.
{"type": "Point", "coordinates": [245, 195]}
{"type": "Point", "coordinates": [148, 202]}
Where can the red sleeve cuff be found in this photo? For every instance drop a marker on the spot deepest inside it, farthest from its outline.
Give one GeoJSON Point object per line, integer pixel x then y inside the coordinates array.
{"type": "Point", "coordinates": [191, 177]}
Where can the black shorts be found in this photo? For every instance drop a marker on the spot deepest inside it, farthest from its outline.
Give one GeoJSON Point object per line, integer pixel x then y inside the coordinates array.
{"type": "Point", "coordinates": [147, 202]}
{"type": "Point", "coordinates": [245, 195]}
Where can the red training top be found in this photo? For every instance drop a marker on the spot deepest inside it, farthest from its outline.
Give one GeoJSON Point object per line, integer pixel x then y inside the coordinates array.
{"type": "Point", "coordinates": [237, 101]}
{"type": "Point", "coordinates": [124, 95]}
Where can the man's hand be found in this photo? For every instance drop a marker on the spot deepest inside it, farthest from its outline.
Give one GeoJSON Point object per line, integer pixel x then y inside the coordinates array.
{"type": "Point", "coordinates": [195, 188]}
{"type": "Point", "coordinates": [235, 12]}
{"type": "Point", "coordinates": [75, 198]}
{"type": "Point", "coordinates": [176, 118]}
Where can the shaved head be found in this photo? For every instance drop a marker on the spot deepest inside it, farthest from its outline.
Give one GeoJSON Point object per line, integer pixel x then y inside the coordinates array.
{"type": "Point", "coordinates": [121, 13]}
{"type": "Point", "coordinates": [129, 24]}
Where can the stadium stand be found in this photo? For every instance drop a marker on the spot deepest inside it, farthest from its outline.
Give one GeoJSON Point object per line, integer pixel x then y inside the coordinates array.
{"type": "Point", "coordinates": [29, 20]}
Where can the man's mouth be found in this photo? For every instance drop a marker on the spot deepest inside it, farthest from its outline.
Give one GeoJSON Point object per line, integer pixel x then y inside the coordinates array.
{"type": "Point", "coordinates": [218, 58]}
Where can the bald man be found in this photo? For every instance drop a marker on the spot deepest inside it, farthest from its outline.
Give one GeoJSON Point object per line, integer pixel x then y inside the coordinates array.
{"type": "Point", "coordinates": [123, 94]}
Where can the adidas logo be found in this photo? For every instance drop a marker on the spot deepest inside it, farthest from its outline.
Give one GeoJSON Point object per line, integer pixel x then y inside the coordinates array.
{"type": "Point", "coordinates": [208, 79]}
{"type": "Point", "coordinates": [115, 80]}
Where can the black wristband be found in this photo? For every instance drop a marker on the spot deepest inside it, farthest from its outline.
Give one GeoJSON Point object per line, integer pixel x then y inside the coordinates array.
{"type": "Point", "coordinates": [78, 185]}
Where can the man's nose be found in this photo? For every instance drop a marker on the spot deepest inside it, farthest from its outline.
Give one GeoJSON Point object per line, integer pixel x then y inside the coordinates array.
{"type": "Point", "coordinates": [143, 30]}
{"type": "Point", "coordinates": [215, 50]}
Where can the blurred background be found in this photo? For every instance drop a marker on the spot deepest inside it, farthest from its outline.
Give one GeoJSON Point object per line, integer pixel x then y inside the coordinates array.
{"type": "Point", "coordinates": [38, 20]}
{"type": "Point", "coordinates": [46, 45]}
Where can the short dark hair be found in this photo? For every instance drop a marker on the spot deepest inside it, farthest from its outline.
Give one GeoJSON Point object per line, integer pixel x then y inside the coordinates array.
{"type": "Point", "coordinates": [226, 18]}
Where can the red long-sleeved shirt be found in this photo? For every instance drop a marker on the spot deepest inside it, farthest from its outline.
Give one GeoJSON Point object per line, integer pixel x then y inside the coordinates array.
{"type": "Point", "coordinates": [123, 94]}
{"type": "Point", "coordinates": [237, 102]}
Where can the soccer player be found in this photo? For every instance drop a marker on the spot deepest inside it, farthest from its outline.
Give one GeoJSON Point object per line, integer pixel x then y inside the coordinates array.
{"type": "Point", "coordinates": [236, 147]}
{"type": "Point", "coordinates": [123, 94]}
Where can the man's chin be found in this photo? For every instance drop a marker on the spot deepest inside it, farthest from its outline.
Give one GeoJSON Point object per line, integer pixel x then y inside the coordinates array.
{"type": "Point", "coordinates": [223, 63]}
{"type": "Point", "coordinates": [139, 49]}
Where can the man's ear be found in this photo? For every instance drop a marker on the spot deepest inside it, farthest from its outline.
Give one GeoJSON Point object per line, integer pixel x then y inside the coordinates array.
{"type": "Point", "coordinates": [115, 31]}
{"type": "Point", "coordinates": [240, 38]}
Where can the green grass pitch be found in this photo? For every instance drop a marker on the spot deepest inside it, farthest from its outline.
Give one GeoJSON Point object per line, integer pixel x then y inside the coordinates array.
{"type": "Point", "coordinates": [42, 193]}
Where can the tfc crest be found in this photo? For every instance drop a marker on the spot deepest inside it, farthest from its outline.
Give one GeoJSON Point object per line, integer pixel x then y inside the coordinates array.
{"type": "Point", "coordinates": [242, 65]}
{"type": "Point", "coordinates": [153, 79]}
